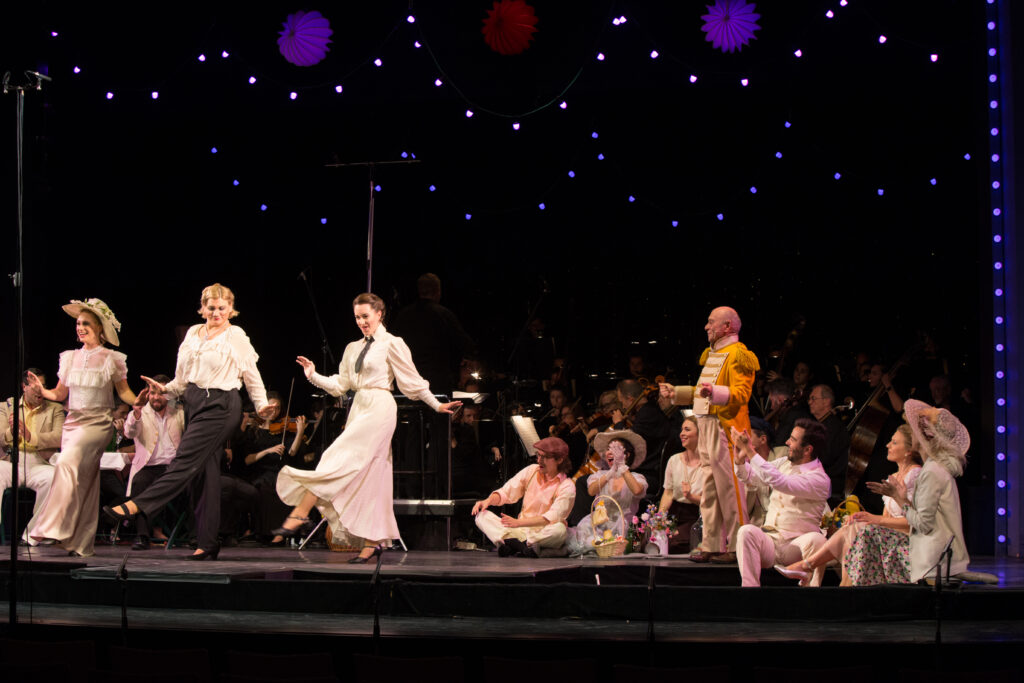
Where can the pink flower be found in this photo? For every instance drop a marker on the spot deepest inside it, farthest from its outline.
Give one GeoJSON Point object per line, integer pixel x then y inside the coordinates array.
{"type": "Point", "coordinates": [645, 516]}
{"type": "Point", "coordinates": [636, 520]}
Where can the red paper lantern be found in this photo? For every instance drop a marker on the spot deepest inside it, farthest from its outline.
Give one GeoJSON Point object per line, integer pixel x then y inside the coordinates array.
{"type": "Point", "coordinates": [509, 26]}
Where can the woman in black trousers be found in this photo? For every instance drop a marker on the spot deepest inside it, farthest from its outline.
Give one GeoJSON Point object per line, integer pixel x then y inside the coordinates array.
{"type": "Point", "coordinates": [213, 362]}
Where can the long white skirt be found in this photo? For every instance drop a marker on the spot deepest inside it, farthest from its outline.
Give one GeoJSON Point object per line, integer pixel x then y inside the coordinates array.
{"type": "Point", "coordinates": [353, 482]}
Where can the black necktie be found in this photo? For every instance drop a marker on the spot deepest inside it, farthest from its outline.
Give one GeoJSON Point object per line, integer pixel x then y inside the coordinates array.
{"type": "Point", "coordinates": [362, 355]}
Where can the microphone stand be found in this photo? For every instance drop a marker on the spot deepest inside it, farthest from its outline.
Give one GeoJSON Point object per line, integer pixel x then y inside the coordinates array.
{"type": "Point", "coordinates": [35, 82]}
{"type": "Point", "coordinates": [375, 592]}
{"type": "Point", "coordinates": [122, 577]}
{"type": "Point", "coordinates": [372, 166]}
{"type": "Point", "coordinates": [325, 351]}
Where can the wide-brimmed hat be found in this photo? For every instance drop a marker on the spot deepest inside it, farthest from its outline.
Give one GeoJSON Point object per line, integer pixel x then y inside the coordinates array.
{"type": "Point", "coordinates": [602, 440]}
{"type": "Point", "coordinates": [945, 428]}
{"type": "Point", "coordinates": [110, 324]}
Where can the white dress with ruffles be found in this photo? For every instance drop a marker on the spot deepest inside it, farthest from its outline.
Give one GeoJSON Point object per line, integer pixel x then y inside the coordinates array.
{"type": "Point", "coordinates": [353, 482]}
{"type": "Point", "coordinates": [71, 510]}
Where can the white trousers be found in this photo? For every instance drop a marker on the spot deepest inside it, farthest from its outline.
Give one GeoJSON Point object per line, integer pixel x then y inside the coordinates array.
{"type": "Point", "coordinates": [39, 477]}
{"type": "Point", "coordinates": [549, 536]}
{"type": "Point", "coordinates": [756, 550]}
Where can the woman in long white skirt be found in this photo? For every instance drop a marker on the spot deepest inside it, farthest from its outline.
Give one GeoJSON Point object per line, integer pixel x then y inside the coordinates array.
{"type": "Point", "coordinates": [352, 485]}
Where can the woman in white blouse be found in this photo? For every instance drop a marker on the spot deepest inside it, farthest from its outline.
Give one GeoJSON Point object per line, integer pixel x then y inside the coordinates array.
{"type": "Point", "coordinates": [684, 481]}
{"type": "Point", "coordinates": [84, 378]}
{"type": "Point", "coordinates": [213, 361]}
{"type": "Point", "coordinates": [352, 485]}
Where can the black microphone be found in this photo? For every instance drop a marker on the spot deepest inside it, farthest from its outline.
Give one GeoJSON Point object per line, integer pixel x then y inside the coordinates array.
{"type": "Point", "coordinates": [42, 77]}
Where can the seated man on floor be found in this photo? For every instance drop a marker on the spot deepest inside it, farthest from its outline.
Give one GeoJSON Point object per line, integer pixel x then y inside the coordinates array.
{"type": "Point", "coordinates": [800, 488]}
{"type": "Point", "coordinates": [40, 425]}
{"type": "Point", "coordinates": [547, 494]}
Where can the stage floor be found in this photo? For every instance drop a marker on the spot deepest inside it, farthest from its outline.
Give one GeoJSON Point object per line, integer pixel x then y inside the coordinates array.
{"type": "Point", "coordinates": [477, 595]}
{"type": "Point", "coordinates": [238, 563]}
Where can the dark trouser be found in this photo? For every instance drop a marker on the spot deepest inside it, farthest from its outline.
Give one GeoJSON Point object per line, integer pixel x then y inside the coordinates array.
{"type": "Point", "coordinates": [142, 480]}
{"type": "Point", "coordinates": [237, 504]}
{"type": "Point", "coordinates": [211, 417]}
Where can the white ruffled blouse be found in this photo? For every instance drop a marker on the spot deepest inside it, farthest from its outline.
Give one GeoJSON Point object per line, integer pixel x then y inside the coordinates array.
{"type": "Point", "coordinates": [223, 362]}
{"type": "Point", "coordinates": [90, 376]}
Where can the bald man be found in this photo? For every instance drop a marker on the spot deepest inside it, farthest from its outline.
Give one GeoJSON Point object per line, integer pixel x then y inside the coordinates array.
{"type": "Point", "coordinates": [719, 401]}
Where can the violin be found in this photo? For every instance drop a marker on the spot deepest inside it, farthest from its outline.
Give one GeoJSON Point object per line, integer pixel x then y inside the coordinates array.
{"type": "Point", "coordinates": [281, 426]}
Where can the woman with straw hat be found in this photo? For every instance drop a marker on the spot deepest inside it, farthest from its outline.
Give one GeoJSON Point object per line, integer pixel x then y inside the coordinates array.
{"type": "Point", "coordinates": [87, 378]}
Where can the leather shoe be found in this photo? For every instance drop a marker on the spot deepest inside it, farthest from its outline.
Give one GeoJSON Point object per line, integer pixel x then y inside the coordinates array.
{"type": "Point", "coordinates": [203, 555]}
{"type": "Point", "coordinates": [360, 559]}
{"type": "Point", "coordinates": [141, 543]}
{"type": "Point", "coordinates": [517, 547]}
{"type": "Point", "coordinates": [724, 558]}
{"type": "Point", "coordinates": [701, 556]}
{"type": "Point", "coordinates": [118, 513]}
{"type": "Point", "coordinates": [302, 529]}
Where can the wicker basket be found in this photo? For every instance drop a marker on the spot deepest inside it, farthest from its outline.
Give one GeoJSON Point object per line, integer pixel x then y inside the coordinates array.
{"type": "Point", "coordinates": [612, 548]}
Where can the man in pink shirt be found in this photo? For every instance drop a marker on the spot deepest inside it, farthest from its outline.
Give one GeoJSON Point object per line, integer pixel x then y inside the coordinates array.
{"type": "Point", "coordinates": [547, 494]}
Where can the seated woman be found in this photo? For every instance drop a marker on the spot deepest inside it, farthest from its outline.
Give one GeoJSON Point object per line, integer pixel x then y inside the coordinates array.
{"type": "Point", "coordinates": [929, 502]}
{"type": "Point", "coordinates": [623, 450]}
{"type": "Point", "coordinates": [683, 484]}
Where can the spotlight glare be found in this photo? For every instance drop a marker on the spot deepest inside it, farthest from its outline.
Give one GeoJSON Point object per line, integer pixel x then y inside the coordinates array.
{"type": "Point", "coordinates": [600, 56]}
{"type": "Point", "coordinates": [155, 95]}
{"type": "Point", "coordinates": [77, 70]}
{"type": "Point", "coordinates": [541, 206]}
{"type": "Point", "coordinates": [224, 54]}
{"type": "Point", "coordinates": [213, 150]}
{"type": "Point", "coordinates": [675, 224]}
{"type": "Point", "coordinates": [378, 62]}
{"type": "Point", "coordinates": [934, 57]}
{"type": "Point", "coordinates": [411, 19]}
{"type": "Point", "coordinates": [252, 80]}
{"type": "Point", "coordinates": [787, 124]}
{"type": "Point", "coordinates": [293, 95]}
{"type": "Point", "coordinates": [881, 192]}
{"type": "Point", "coordinates": [515, 125]}
{"type": "Point", "coordinates": [235, 182]}
{"type": "Point", "coordinates": [432, 188]}
{"type": "Point", "coordinates": [594, 135]}
{"type": "Point", "coordinates": [469, 216]}
{"type": "Point", "coordinates": [572, 174]}
{"type": "Point", "coordinates": [263, 207]}
{"type": "Point", "coordinates": [110, 95]}
{"type": "Point", "coordinates": [933, 181]}
{"type": "Point", "coordinates": [798, 53]}
{"type": "Point", "coordinates": [654, 54]}
{"type": "Point", "coordinates": [600, 157]}
{"type": "Point", "coordinates": [778, 155]}
{"type": "Point", "coordinates": [563, 105]}
{"type": "Point", "coordinates": [829, 14]}
{"type": "Point", "coordinates": [202, 58]}
{"type": "Point", "coordinates": [693, 78]}
{"type": "Point", "coordinates": [837, 176]}
{"type": "Point", "coordinates": [416, 44]}
{"type": "Point", "coordinates": [323, 221]}
{"type": "Point", "coordinates": [720, 216]}
{"type": "Point", "coordinates": [632, 199]}
{"type": "Point", "coordinates": [339, 89]}
{"type": "Point", "coordinates": [438, 82]}
{"type": "Point", "coordinates": [882, 39]}
{"type": "Point", "coordinates": [744, 82]}
{"type": "Point", "coordinates": [753, 190]}
{"type": "Point", "coordinates": [469, 113]}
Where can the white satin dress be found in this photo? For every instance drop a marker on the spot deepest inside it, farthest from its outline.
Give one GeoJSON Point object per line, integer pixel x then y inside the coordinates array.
{"type": "Point", "coordinates": [353, 482]}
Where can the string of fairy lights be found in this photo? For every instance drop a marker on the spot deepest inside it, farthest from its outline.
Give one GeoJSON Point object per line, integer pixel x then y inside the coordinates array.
{"type": "Point", "coordinates": [407, 28]}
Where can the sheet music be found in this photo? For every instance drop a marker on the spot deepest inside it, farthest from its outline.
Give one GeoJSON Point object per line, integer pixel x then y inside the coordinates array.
{"type": "Point", "coordinates": [527, 432]}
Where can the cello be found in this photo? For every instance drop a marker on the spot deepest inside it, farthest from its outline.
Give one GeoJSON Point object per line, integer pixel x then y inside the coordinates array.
{"type": "Point", "coordinates": [866, 426]}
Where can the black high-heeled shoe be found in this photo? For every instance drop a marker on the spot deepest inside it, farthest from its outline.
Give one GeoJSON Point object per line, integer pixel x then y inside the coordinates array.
{"type": "Point", "coordinates": [203, 555]}
{"type": "Point", "coordinates": [359, 559]}
{"type": "Point", "coordinates": [301, 530]}
{"type": "Point", "coordinates": [111, 512]}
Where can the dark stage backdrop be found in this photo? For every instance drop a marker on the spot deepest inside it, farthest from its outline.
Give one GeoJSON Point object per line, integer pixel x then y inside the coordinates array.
{"type": "Point", "coordinates": [127, 202]}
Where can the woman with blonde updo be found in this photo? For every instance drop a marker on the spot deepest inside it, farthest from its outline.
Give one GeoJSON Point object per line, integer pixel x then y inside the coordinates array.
{"type": "Point", "coordinates": [213, 361]}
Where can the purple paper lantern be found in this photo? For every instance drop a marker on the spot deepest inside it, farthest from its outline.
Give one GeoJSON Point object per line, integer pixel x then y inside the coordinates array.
{"type": "Point", "coordinates": [305, 38]}
{"type": "Point", "coordinates": [730, 24]}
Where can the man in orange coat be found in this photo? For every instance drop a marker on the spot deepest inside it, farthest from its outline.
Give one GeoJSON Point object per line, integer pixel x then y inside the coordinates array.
{"type": "Point", "coordinates": [720, 402]}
